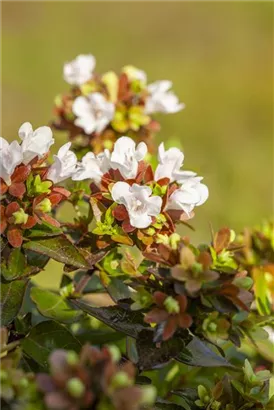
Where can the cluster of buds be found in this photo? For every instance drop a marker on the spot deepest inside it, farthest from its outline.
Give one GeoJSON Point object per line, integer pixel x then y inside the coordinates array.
{"type": "Point", "coordinates": [133, 204]}
{"type": "Point", "coordinates": [189, 290]}
{"type": "Point", "coordinates": [249, 390]}
{"type": "Point", "coordinates": [28, 185]}
{"type": "Point", "coordinates": [256, 255]}
{"type": "Point", "coordinates": [100, 108]}
{"type": "Point", "coordinates": [93, 379]}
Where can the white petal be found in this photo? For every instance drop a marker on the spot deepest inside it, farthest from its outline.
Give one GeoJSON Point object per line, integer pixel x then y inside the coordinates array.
{"type": "Point", "coordinates": [64, 150]}
{"type": "Point", "coordinates": [203, 191]}
{"type": "Point", "coordinates": [154, 205]}
{"type": "Point", "coordinates": [159, 86]}
{"type": "Point", "coordinates": [81, 107]}
{"type": "Point", "coordinates": [141, 151]}
{"type": "Point", "coordinates": [87, 123]}
{"type": "Point", "coordinates": [141, 221]}
{"type": "Point", "coordinates": [120, 191]}
{"type": "Point", "coordinates": [25, 130]}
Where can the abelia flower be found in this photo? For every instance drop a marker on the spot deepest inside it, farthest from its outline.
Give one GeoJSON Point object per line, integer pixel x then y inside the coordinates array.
{"type": "Point", "coordinates": [93, 167]}
{"type": "Point", "coordinates": [64, 165]}
{"type": "Point", "coordinates": [169, 311]}
{"type": "Point", "coordinates": [190, 194]}
{"type": "Point", "coordinates": [160, 99]}
{"type": "Point", "coordinates": [126, 156]}
{"type": "Point", "coordinates": [11, 157]}
{"type": "Point", "coordinates": [79, 70]}
{"type": "Point", "coordinates": [34, 143]}
{"type": "Point", "coordinates": [139, 203]}
{"type": "Point", "coordinates": [93, 112]}
{"type": "Point", "coordinates": [170, 162]}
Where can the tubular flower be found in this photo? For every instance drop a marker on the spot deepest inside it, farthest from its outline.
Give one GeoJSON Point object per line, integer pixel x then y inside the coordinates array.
{"type": "Point", "coordinates": [34, 143]}
{"type": "Point", "coordinates": [11, 156]}
{"type": "Point", "coordinates": [99, 108]}
{"type": "Point", "coordinates": [64, 165]}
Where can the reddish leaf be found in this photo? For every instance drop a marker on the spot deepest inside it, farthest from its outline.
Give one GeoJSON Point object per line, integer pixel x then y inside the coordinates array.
{"type": "Point", "coordinates": [170, 327]}
{"type": "Point", "coordinates": [31, 222]}
{"type": "Point", "coordinates": [184, 320]}
{"type": "Point", "coordinates": [149, 175]}
{"type": "Point", "coordinates": [61, 190]}
{"type": "Point", "coordinates": [3, 187]}
{"type": "Point", "coordinates": [221, 239]}
{"type": "Point", "coordinates": [11, 208]}
{"type": "Point", "coordinates": [3, 222]}
{"type": "Point", "coordinates": [164, 181]}
{"type": "Point", "coordinates": [50, 220]}
{"type": "Point", "coordinates": [127, 227]}
{"type": "Point", "coordinates": [17, 189]}
{"type": "Point", "coordinates": [21, 173]}
{"type": "Point", "coordinates": [55, 198]}
{"type": "Point", "coordinates": [159, 298]}
{"type": "Point", "coordinates": [15, 237]}
{"type": "Point", "coordinates": [120, 213]}
{"type": "Point", "coordinates": [156, 315]}
{"type": "Point", "coordinates": [182, 300]}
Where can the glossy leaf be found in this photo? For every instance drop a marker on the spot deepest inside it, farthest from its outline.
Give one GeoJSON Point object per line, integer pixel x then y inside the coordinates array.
{"type": "Point", "coordinates": [58, 248]}
{"type": "Point", "coordinates": [44, 338]}
{"type": "Point", "coordinates": [15, 265]}
{"type": "Point", "coordinates": [53, 306]}
{"type": "Point", "coordinates": [12, 294]}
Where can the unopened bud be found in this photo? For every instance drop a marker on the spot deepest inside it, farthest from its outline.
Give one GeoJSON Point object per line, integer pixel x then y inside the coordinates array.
{"type": "Point", "coordinates": [72, 358]}
{"type": "Point", "coordinates": [174, 239]}
{"type": "Point", "coordinates": [172, 305]}
{"type": "Point", "coordinates": [75, 387]}
{"type": "Point", "coordinates": [149, 394]}
{"type": "Point", "coordinates": [44, 205]}
{"type": "Point", "coordinates": [121, 379]}
{"type": "Point", "coordinates": [20, 217]}
{"type": "Point", "coordinates": [114, 352]}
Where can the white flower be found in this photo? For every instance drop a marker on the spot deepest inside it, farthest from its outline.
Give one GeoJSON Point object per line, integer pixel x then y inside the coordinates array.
{"type": "Point", "coordinates": [35, 143]}
{"type": "Point", "coordinates": [80, 70]}
{"type": "Point", "coordinates": [134, 73]}
{"type": "Point", "coordinates": [126, 155]}
{"type": "Point", "coordinates": [93, 112]}
{"type": "Point", "coordinates": [93, 167]}
{"type": "Point", "coordinates": [11, 156]}
{"type": "Point", "coordinates": [170, 162]}
{"type": "Point", "coordinates": [141, 206]}
{"type": "Point", "coordinates": [64, 165]}
{"type": "Point", "coordinates": [161, 99]}
{"type": "Point", "coordinates": [190, 194]}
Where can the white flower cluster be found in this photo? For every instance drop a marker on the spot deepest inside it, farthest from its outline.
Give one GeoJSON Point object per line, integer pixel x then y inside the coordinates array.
{"type": "Point", "coordinates": [35, 144]}
{"type": "Point", "coordinates": [138, 199]}
{"type": "Point", "coordinates": [94, 112]}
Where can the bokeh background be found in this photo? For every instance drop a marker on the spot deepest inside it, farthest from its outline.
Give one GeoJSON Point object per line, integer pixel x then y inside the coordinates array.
{"type": "Point", "coordinates": [219, 56]}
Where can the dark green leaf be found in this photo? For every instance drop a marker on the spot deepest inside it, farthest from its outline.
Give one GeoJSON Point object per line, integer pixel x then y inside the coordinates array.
{"type": "Point", "coordinates": [12, 294]}
{"type": "Point", "coordinates": [151, 356]}
{"type": "Point", "coordinates": [60, 249]}
{"type": "Point", "coordinates": [53, 306]}
{"type": "Point", "coordinates": [118, 290]}
{"type": "Point", "coordinates": [44, 338]}
{"type": "Point", "coordinates": [165, 405]}
{"type": "Point", "coordinates": [189, 396]}
{"type": "Point", "coordinates": [125, 321]}
{"type": "Point", "coordinates": [199, 354]}
{"type": "Point", "coordinates": [15, 265]}
{"type": "Point", "coordinates": [98, 336]}
{"type": "Point", "coordinates": [36, 259]}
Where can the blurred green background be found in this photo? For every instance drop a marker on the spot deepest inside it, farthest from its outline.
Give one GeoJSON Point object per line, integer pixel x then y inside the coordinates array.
{"type": "Point", "coordinates": [219, 56]}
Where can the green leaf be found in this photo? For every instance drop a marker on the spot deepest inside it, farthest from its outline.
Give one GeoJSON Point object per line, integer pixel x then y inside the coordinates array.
{"type": "Point", "coordinates": [44, 338]}
{"type": "Point", "coordinates": [12, 294]}
{"type": "Point", "coordinates": [60, 249]}
{"type": "Point", "coordinates": [125, 321]}
{"type": "Point", "coordinates": [53, 306]}
{"type": "Point", "coordinates": [118, 290]}
{"type": "Point", "coordinates": [35, 259]}
{"type": "Point", "coordinates": [15, 265]}
{"type": "Point", "coordinates": [199, 354]}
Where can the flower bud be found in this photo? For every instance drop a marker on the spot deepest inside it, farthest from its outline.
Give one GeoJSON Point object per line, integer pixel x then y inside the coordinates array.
{"type": "Point", "coordinates": [44, 205]}
{"type": "Point", "coordinates": [174, 239]}
{"type": "Point", "coordinates": [171, 305]}
{"type": "Point", "coordinates": [75, 387]}
{"type": "Point", "coordinates": [20, 217]}
{"type": "Point", "coordinates": [121, 379]}
{"type": "Point", "coordinates": [114, 352]}
{"type": "Point", "coordinates": [149, 394]}
{"type": "Point", "coordinates": [72, 358]}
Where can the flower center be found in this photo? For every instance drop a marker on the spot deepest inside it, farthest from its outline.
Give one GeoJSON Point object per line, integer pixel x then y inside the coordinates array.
{"type": "Point", "coordinates": [137, 205]}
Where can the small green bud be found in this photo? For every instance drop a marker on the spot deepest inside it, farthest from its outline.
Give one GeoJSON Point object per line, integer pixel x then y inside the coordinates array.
{"type": "Point", "coordinates": [212, 327]}
{"type": "Point", "coordinates": [24, 382]}
{"type": "Point", "coordinates": [150, 231]}
{"type": "Point", "coordinates": [108, 144]}
{"type": "Point", "coordinates": [149, 394]}
{"type": "Point", "coordinates": [160, 238]}
{"type": "Point", "coordinates": [121, 379]}
{"type": "Point", "coordinates": [20, 217]}
{"type": "Point", "coordinates": [75, 387]}
{"type": "Point", "coordinates": [44, 205]}
{"type": "Point", "coordinates": [197, 267]}
{"type": "Point", "coordinates": [115, 353]}
{"type": "Point", "coordinates": [172, 305]}
{"type": "Point", "coordinates": [174, 239]}
{"type": "Point", "coordinates": [232, 236]}
{"type": "Point", "coordinates": [72, 358]}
